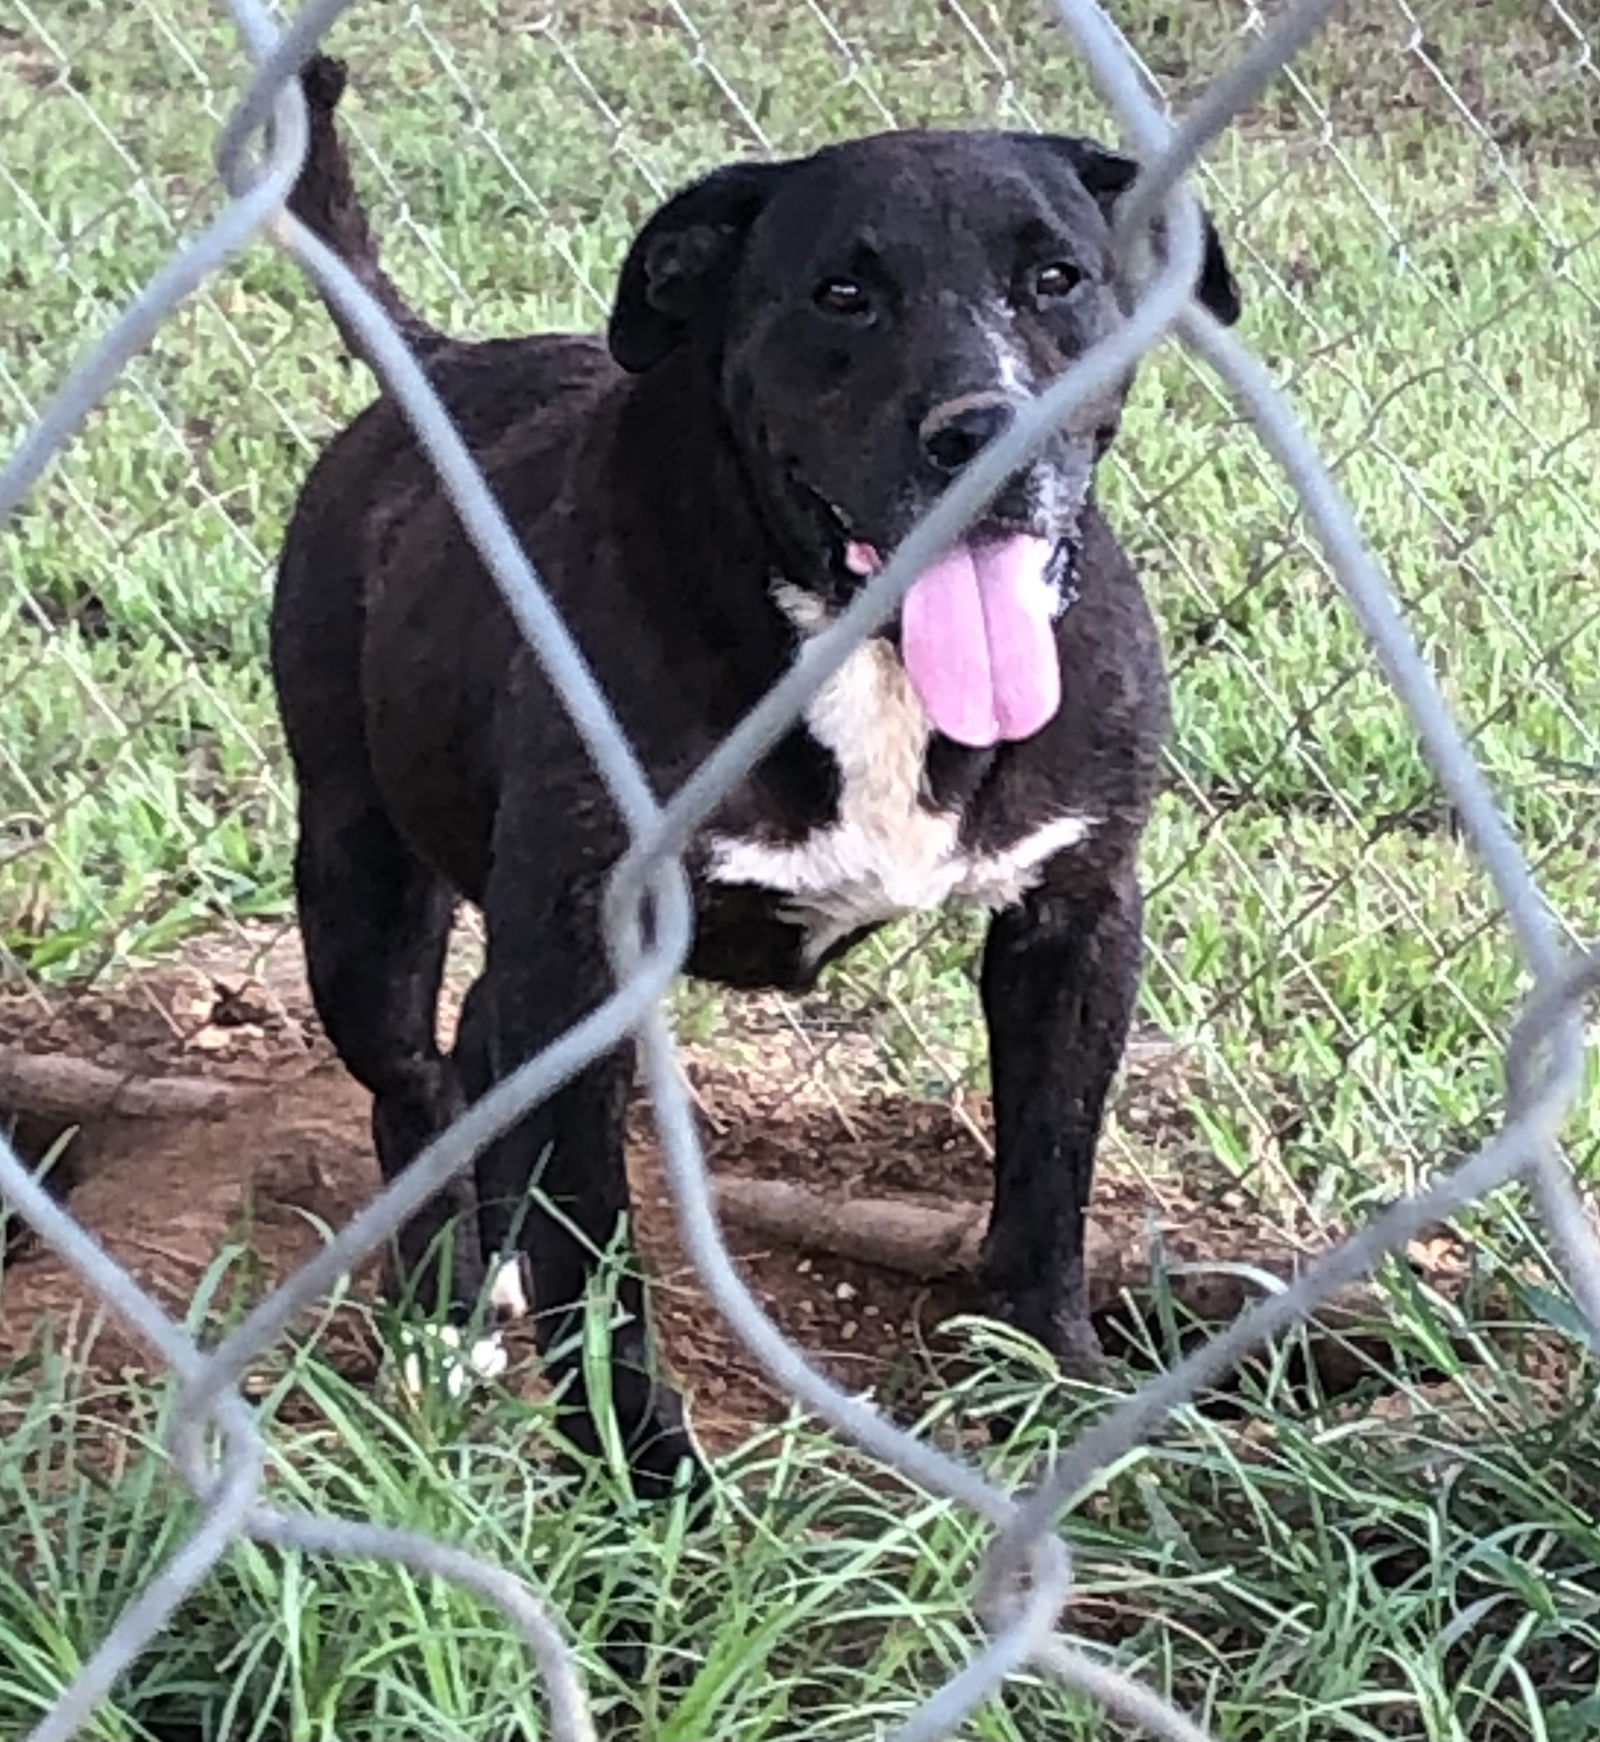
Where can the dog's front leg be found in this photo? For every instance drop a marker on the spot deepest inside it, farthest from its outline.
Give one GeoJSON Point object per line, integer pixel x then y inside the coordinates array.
{"type": "Point", "coordinates": [1059, 980]}
{"type": "Point", "coordinates": [556, 1185]}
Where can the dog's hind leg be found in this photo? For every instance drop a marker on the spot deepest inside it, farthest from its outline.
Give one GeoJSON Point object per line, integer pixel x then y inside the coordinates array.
{"type": "Point", "coordinates": [376, 923]}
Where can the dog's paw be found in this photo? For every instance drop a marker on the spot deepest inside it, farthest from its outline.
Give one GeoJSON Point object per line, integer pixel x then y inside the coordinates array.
{"type": "Point", "coordinates": [436, 1358]}
{"type": "Point", "coordinates": [1073, 1348]}
{"type": "Point", "coordinates": [508, 1291]}
{"type": "Point", "coordinates": [656, 1442]}
{"type": "Point", "coordinates": [1078, 1351]}
{"type": "Point", "coordinates": [667, 1460]}
{"type": "Point", "coordinates": [1066, 1335]}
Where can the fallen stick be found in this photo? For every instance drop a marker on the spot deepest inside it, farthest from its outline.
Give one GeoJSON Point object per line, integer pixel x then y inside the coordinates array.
{"type": "Point", "coordinates": [58, 1086]}
{"type": "Point", "coordinates": [914, 1238]}
{"type": "Point", "coordinates": [919, 1240]}
{"type": "Point", "coordinates": [936, 1245]}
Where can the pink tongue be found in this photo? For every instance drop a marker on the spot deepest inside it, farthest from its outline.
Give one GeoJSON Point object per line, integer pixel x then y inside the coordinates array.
{"type": "Point", "coordinates": [978, 642]}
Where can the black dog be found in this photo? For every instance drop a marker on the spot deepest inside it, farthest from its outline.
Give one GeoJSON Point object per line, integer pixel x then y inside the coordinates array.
{"type": "Point", "coordinates": [800, 358]}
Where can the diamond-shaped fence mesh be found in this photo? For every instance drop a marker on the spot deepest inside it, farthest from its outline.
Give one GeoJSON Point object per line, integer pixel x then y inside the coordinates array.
{"type": "Point", "coordinates": [1331, 974]}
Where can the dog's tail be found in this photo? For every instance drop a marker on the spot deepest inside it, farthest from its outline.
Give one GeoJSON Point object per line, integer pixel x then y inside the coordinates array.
{"type": "Point", "coordinates": [325, 200]}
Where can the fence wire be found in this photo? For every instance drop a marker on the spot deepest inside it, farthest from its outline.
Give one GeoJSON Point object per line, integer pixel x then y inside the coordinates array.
{"type": "Point", "coordinates": [1026, 1580]}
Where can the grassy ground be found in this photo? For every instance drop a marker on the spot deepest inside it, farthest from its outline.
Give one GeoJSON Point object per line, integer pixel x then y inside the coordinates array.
{"type": "Point", "coordinates": [1418, 1558]}
{"type": "Point", "coordinates": [1425, 279]}
{"type": "Point", "coordinates": [1414, 217]}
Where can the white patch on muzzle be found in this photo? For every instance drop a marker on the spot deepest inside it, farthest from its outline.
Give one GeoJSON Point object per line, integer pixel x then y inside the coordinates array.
{"type": "Point", "coordinates": [1012, 369]}
{"type": "Point", "coordinates": [1059, 492]}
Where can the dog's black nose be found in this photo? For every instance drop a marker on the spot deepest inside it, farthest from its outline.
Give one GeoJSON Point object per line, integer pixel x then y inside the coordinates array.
{"type": "Point", "coordinates": [953, 435]}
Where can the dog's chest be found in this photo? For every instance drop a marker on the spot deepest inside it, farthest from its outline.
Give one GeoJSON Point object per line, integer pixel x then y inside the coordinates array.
{"type": "Point", "coordinates": [885, 853]}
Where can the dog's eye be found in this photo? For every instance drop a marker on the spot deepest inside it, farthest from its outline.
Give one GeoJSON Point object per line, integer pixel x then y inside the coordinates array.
{"type": "Point", "coordinates": [1056, 279]}
{"type": "Point", "coordinates": [842, 296]}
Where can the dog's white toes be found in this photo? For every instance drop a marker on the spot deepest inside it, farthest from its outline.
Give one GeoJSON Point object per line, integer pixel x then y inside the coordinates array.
{"type": "Point", "coordinates": [435, 1356]}
{"type": "Point", "coordinates": [487, 1357]}
{"type": "Point", "coordinates": [508, 1293]}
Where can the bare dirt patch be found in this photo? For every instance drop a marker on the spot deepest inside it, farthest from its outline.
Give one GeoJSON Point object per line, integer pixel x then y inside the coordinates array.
{"type": "Point", "coordinates": [290, 1157]}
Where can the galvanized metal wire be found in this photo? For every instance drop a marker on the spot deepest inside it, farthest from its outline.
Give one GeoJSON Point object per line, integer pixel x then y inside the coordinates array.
{"type": "Point", "coordinates": [1027, 1577]}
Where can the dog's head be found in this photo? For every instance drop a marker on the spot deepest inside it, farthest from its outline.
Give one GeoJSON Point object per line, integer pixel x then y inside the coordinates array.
{"type": "Point", "coordinates": [870, 318]}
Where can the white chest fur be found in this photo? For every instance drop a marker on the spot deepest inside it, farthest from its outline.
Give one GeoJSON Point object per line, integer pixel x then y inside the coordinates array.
{"type": "Point", "coordinates": [886, 854]}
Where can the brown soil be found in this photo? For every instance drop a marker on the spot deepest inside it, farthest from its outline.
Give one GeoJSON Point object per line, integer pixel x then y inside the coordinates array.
{"type": "Point", "coordinates": [166, 1196]}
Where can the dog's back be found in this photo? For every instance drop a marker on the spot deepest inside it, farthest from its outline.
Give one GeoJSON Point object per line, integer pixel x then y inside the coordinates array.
{"type": "Point", "coordinates": [373, 504]}
{"type": "Point", "coordinates": [517, 404]}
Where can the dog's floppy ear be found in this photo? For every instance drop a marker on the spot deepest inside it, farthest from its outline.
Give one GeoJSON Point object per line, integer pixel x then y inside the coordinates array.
{"type": "Point", "coordinates": [682, 261]}
{"type": "Point", "coordinates": [1108, 175]}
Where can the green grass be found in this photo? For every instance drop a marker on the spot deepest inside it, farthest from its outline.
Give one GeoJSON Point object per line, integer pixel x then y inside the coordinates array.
{"type": "Point", "coordinates": [1414, 1557]}
{"type": "Point", "coordinates": [1426, 283]}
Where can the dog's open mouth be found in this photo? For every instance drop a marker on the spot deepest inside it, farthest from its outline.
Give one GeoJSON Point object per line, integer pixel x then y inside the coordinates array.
{"type": "Point", "coordinates": [977, 627]}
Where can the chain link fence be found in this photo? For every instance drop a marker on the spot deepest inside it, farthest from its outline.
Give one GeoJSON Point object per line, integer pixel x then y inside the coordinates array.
{"type": "Point", "coordinates": [1330, 982]}
{"type": "Point", "coordinates": [151, 806]}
